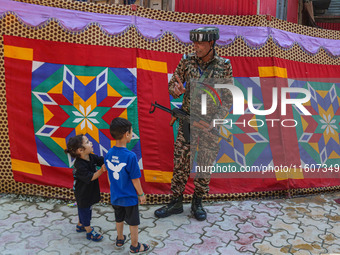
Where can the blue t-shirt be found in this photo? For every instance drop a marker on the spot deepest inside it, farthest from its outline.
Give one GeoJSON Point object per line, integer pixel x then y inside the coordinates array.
{"type": "Point", "coordinates": [122, 167]}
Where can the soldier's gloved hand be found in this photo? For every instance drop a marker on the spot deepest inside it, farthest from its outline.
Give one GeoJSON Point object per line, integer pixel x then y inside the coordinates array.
{"type": "Point", "coordinates": [179, 88]}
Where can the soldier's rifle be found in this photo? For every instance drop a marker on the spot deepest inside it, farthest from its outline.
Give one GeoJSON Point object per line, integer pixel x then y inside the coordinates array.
{"type": "Point", "coordinates": [197, 121]}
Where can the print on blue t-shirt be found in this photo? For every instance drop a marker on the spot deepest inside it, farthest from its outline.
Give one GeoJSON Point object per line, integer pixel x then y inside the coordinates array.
{"type": "Point", "coordinates": [122, 167]}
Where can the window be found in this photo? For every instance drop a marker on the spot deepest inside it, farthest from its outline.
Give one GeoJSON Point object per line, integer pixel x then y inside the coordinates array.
{"type": "Point", "coordinates": [281, 9]}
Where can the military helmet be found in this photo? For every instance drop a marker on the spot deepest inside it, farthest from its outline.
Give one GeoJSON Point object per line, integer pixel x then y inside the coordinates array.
{"type": "Point", "coordinates": [204, 34]}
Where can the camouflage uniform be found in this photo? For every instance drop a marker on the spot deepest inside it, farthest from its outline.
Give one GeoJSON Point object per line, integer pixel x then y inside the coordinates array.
{"type": "Point", "coordinates": [190, 67]}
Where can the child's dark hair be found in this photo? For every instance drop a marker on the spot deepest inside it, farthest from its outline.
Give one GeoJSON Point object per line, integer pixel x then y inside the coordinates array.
{"type": "Point", "coordinates": [119, 127]}
{"type": "Point", "coordinates": [74, 144]}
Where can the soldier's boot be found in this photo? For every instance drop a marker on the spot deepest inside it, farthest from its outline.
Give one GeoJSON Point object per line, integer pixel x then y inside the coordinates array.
{"type": "Point", "coordinates": [174, 207]}
{"type": "Point", "coordinates": [197, 208]}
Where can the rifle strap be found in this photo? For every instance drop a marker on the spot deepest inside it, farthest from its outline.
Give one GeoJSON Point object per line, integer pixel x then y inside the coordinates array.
{"type": "Point", "coordinates": [205, 73]}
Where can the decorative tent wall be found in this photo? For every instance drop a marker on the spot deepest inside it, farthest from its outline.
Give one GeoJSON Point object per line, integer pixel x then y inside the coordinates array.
{"type": "Point", "coordinates": [69, 67]}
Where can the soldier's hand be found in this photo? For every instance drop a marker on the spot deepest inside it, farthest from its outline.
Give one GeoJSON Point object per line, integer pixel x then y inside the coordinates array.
{"type": "Point", "coordinates": [202, 125]}
{"type": "Point", "coordinates": [179, 88]}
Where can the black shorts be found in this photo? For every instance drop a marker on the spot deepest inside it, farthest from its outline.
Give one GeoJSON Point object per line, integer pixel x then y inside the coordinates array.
{"type": "Point", "coordinates": [129, 214]}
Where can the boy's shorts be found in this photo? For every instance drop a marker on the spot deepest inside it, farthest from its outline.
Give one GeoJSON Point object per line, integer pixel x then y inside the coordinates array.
{"type": "Point", "coordinates": [129, 214]}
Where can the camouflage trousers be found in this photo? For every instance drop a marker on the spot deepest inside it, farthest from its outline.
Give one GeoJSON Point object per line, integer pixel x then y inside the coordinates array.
{"type": "Point", "coordinates": [183, 160]}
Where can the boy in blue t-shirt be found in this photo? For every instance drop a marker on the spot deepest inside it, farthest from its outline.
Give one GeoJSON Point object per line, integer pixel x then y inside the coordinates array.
{"type": "Point", "coordinates": [125, 187]}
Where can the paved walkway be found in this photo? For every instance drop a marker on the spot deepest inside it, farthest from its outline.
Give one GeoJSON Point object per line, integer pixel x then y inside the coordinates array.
{"type": "Point", "coordinates": [307, 225]}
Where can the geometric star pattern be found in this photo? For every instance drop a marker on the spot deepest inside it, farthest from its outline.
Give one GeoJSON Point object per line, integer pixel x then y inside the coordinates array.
{"type": "Point", "coordinates": [318, 134]}
{"type": "Point", "coordinates": [68, 100]}
{"type": "Point", "coordinates": [250, 144]}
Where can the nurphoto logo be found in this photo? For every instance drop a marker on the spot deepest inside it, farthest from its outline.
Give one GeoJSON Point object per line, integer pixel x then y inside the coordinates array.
{"type": "Point", "coordinates": [238, 106]}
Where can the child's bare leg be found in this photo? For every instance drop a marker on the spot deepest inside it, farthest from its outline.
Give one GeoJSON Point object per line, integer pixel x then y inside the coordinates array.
{"type": "Point", "coordinates": [134, 239]}
{"type": "Point", "coordinates": [134, 235]}
{"type": "Point", "coordinates": [88, 229]}
{"type": "Point", "coordinates": [120, 228]}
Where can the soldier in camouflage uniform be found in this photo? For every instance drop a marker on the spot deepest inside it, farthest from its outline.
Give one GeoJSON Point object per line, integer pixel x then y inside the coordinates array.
{"type": "Point", "coordinates": [202, 64]}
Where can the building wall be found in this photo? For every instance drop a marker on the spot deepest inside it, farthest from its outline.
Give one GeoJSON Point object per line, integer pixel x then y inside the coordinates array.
{"type": "Point", "coordinates": [239, 7]}
{"type": "Point", "coordinates": [224, 7]}
{"type": "Point", "coordinates": [331, 26]}
{"type": "Point", "coordinates": [156, 4]}
{"type": "Point", "coordinates": [293, 11]}
{"type": "Point", "coordinates": [268, 7]}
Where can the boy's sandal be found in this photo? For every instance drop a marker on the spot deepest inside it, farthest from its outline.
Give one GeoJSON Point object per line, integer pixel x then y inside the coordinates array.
{"type": "Point", "coordinates": [136, 250]}
{"type": "Point", "coordinates": [80, 229]}
{"type": "Point", "coordinates": [94, 236]}
{"type": "Point", "coordinates": [119, 242]}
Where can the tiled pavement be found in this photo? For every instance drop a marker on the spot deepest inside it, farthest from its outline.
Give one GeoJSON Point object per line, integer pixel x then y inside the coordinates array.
{"type": "Point", "coordinates": [305, 225]}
